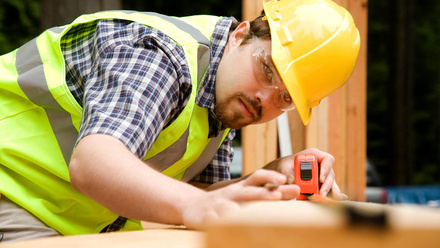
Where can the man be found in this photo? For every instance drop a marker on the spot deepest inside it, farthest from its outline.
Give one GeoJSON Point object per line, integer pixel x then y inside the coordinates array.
{"type": "Point", "coordinates": [100, 117]}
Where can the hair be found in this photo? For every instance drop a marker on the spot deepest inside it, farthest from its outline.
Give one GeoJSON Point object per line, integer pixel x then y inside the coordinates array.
{"type": "Point", "coordinates": [258, 27]}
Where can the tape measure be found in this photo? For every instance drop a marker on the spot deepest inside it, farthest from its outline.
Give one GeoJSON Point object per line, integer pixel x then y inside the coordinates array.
{"type": "Point", "coordinates": [306, 175]}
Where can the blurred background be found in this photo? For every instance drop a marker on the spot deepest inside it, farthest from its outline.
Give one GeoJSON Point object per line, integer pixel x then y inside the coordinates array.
{"type": "Point", "coordinates": [403, 75]}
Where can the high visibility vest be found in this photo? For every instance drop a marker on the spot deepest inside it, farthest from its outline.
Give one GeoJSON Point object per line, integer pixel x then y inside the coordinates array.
{"type": "Point", "coordinates": [39, 123]}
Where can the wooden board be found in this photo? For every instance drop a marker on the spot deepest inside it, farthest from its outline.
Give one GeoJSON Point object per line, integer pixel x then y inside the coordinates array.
{"type": "Point", "coordinates": [278, 224]}
{"type": "Point", "coordinates": [307, 224]}
{"type": "Point", "coordinates": [168, 238]}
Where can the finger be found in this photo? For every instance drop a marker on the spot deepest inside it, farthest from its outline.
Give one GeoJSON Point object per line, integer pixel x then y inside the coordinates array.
{"type": "Point", "coordinates": [289, 192]}
{"type": "Point", "coordinates": [326, 167]}
{"type": "Point", "coordinates": [328, 184]}
{"type": "Point", "coordinates": [287, 168]}
{"type": "Point", "coordinates": [257, 193]}
{"type": "Point", "coordinates": [261, 177]}
{"type": "Point", "coordinates": [344, 197]}
{"type": "Point", "coordinates": [254, 187]}
{"type": "Point", "coordinates": [337, 194]}
{"type": "Point", "coordinates": [291, 179]}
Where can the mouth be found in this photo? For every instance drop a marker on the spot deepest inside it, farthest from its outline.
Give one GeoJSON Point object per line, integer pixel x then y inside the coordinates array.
{"type": "Point", "coordinates": [248, 109]}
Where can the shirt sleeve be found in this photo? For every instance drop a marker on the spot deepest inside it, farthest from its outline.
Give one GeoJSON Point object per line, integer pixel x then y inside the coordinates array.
{"type": "Point", "coordinates": [135, 86]}
{"type": "Point", "coordinates": [219, 170]}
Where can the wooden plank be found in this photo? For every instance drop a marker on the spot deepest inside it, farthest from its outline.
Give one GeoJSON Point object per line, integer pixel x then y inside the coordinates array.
{"type": "Point", "coordinates": [179, 238]}
{"type": "Point", "coordinates": [323, 125]}
{"type": "Point", "coordinates": [251, 9]}
{"type": "Point", "coordinates": [308, 224]}
{"type": "Point", "coordinates": [318, 127]}
{"type": "Point", "coordinates": [297, 132]}
{"type": "Point", "coordinates": [356, 107]}
{"type": "Point", "coordinates": [338, 135]}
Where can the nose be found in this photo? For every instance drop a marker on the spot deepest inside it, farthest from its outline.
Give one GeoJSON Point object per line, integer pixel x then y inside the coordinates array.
{"type": "Point", "coordinates": [266, 96]}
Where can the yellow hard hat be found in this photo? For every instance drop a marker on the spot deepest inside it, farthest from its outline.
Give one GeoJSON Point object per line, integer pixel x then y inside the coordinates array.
{"type": "Point", "coordinates": [315, 45]}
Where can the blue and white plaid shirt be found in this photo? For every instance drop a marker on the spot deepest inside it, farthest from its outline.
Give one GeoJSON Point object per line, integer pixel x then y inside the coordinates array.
{"type": "Point", "coordinates": [133, 81]}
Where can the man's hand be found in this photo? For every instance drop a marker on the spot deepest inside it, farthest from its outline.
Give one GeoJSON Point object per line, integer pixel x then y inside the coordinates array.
{"type": "Point", "coordinates": [286, 166]}
{"type": "Point", "coordinates": [215, 203]}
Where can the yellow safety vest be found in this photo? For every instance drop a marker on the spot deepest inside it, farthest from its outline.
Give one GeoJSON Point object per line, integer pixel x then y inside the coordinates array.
{"type": "Point", "coordinates": [39, 123]}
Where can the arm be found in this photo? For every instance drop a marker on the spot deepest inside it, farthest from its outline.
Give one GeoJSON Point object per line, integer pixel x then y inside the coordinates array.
{"type": "Point", "coordinates": [105, 170]}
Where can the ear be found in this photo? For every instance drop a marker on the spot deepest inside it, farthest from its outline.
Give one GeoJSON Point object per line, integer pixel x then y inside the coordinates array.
{"type": "Point", "coordinates": [236, 37]}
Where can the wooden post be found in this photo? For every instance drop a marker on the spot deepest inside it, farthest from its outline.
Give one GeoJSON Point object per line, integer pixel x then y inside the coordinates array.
{"type": "Point", "coordinates": [251, 9]}
{"type": "Point", "coordinates": [338, 124]}
{"type": "Point", "coordinates": [356, 87]}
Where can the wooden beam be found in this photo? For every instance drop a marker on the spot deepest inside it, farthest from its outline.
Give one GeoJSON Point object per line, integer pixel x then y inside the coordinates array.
{"type": "Point", "coordinates": [342, 225]}
{"type": "Point", "coordinates": [356, 109]}
{"type": "Point", "coordinates": [251, 9]}
{"type": "Point", "coordinates": [338, 137]}
{"type": "Point", "coordinates": [156, 237]}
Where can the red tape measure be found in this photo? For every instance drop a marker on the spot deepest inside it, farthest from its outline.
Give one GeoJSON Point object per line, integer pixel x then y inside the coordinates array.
{"type": "Point", "coordinates": [306, 175]}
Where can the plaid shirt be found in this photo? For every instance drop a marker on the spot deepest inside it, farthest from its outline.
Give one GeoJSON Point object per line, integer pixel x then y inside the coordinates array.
{"type": "Point", "coordinates": [133, 81]}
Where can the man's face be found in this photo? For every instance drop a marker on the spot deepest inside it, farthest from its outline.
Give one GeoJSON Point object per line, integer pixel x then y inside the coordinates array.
{"type": "Point", "coordinates": [240, 98]}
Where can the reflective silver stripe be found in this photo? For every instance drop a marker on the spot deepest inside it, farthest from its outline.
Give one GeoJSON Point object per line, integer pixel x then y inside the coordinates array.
{"type": "Point", "coordinates": [175, 152]}
{"type": "Point", "coordinates": [32, 82]}
{"type": "Point", "coordinates": [56, 30]}
{"type": "Point", "coordinates": [170, 155]}
{"type": "Point", "coordinates": [203, 62]}
{"type": "Point", "coordinates": [208, 153]}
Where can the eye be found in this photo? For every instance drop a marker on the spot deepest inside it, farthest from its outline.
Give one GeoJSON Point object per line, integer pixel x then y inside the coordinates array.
{"type": "Point", "coordinates": [267, 71]}
{"type": "Point", "coordinates": [286, 98]}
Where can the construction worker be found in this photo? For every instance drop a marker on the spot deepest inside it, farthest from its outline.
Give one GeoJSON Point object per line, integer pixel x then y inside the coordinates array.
{"type": "Point", "coordinates": [126, 116]}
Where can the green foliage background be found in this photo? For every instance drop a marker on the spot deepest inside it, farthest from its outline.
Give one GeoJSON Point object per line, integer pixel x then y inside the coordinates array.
{"type": "Point", "coordinates": [424, 116]}
{"type": "Point", "coordinates": [20, 21]}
